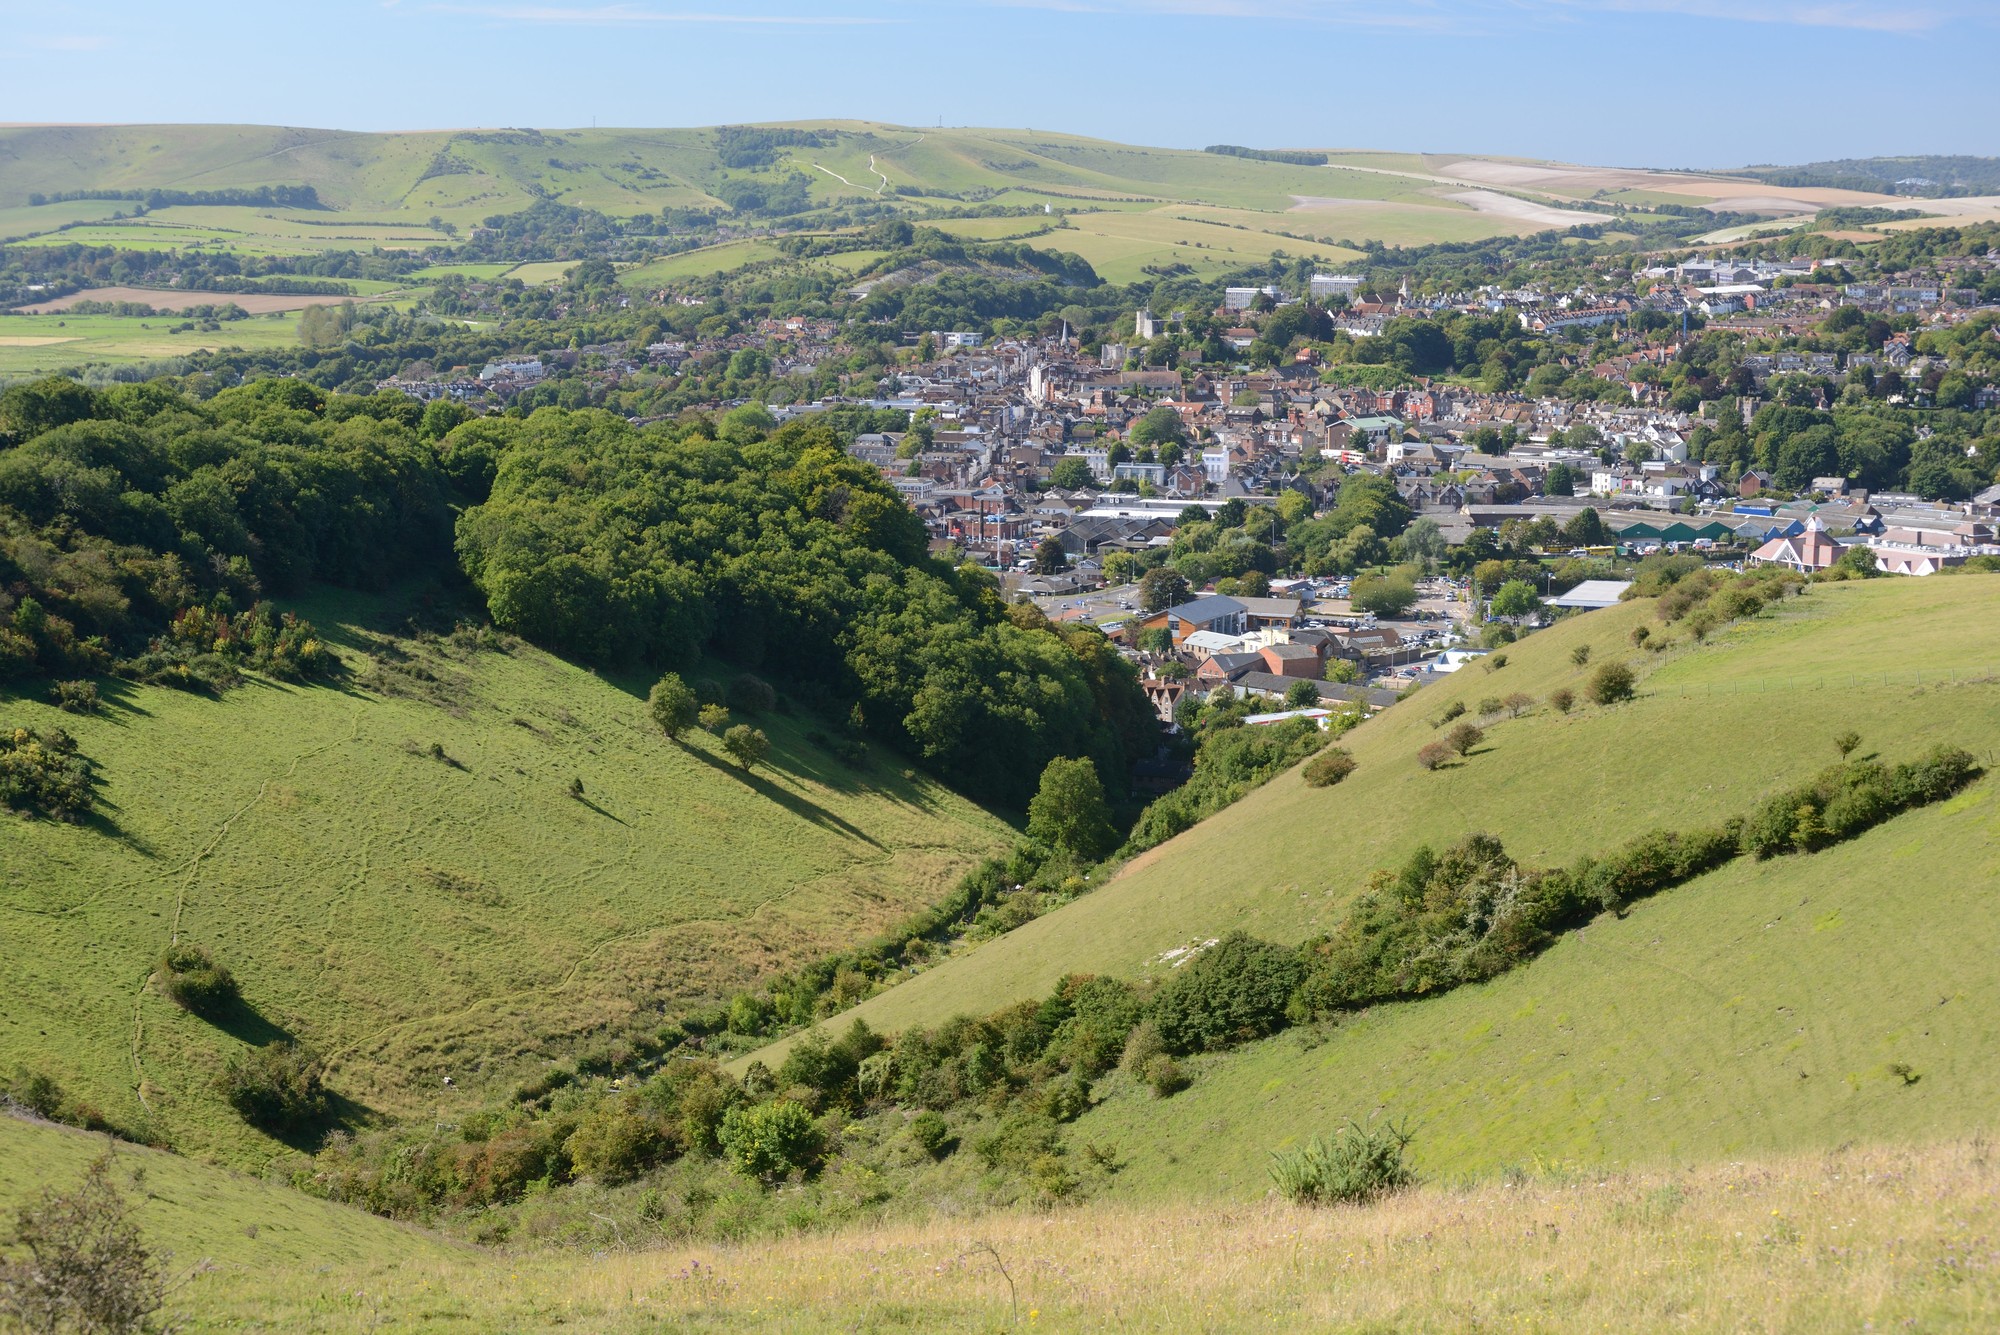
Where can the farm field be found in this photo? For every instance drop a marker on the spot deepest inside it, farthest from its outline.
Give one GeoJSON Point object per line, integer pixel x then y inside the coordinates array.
{"type": "Point", "coordinates": [34, 344]}
{"type": "Point", "coordinates": [1703, 742]}
{"type": "Point", "coordinates": [180, 299]}
{"type": "Point", "coordinates": [549, 271]}
{"type": "Point", "coordinates": [992, 229]}
{"type": "Point", "coordinates": [433, 272]}
{"type": "Point", "coordinates": [699, 263]}
{"type": "Point", "coordinates": [1844, 1240]}
{"type": "Point", "coordinates": [22, 221]}
{"type": "Point", "coordinates": [240, 231]}
{"type": "Point", "coordinates": [417, 913]}
{"type": "Point", "coordinates": [384, 190]}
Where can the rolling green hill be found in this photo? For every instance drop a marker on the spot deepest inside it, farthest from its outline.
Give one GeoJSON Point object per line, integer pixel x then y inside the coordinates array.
{"type": "Point", "coordinates": [1131, 204]}
{"type": "Point", "coordinates": [204, 1213]}
{"type": "Point", "coordinates": [398, 874]}
{"type": "Point", "coordinates": [1714, 729]}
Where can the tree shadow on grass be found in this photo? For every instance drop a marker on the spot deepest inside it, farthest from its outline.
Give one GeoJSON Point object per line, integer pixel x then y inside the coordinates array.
{"type": "Point", "coordinates": [600, 810]}
{"type": "Point", "coordinates": [120, 698]}
{"type": "Point", "coordinates": [245, 1023]}
{"type": "Point", "coordinates": [342, 1115]}
{"type": "Point", "coordinates": [796, 803]}
{"type": "Point", "coordinates": [101, 821]}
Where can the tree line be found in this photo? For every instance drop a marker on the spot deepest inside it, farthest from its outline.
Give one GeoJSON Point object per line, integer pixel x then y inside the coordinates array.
{"type": "Point", "coordinates": [773, 550]}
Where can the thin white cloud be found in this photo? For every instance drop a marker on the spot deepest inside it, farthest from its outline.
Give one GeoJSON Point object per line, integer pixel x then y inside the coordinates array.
{"type": "Point", "coordinates": [620, 15]}
{"type": "Point", "coordinates": [1864, 15]}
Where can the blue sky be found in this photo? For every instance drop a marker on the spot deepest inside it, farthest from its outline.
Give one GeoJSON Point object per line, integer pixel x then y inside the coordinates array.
{"type": "Point", "coordinates": [1630, 82]}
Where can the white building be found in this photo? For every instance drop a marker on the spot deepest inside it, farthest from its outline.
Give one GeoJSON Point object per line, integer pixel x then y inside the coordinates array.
{"type": "Point", "coordinates": [1325, 285]}
{"type": "Point", "coordinates": [1240, 298]}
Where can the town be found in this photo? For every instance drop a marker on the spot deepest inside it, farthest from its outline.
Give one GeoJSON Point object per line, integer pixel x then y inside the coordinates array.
{"type": "Point", "coordinates": [1074, 469]}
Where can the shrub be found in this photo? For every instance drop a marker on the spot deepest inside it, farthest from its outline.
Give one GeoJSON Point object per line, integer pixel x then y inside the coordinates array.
{"type": "Point", "coordinates": [1328, 768]}
{"type": "Point", "coordinates": [277, 1087]}
{"type": "Point", "coordinates": [1434, 754]}
{"type": "Point", "coordinates": [85, 1265]}
{"type": "Point", "coordinates": [1640, 634]}
{"type": "Point", "coordinates": [1734, 602]}
{"type": "Point", "coordinates": [1234, 991]}
{"type": "Point", "coordinates": [933, 1134]}
{"type": "Point", "coordinates": [1490, 706]}
{"type": "Point", "coordinates": [1464, 737]}
{"type": "Point", "coordinates": [1165, 1076]}
{"type": "Point", "coordinates": [1141, 1047]}
{"type": "Point", "coordinates": [1654, 862]}
{"type": "Point", "coordinates": [77, 697]}
{"type": "Point", "coordinates": [38, 1092]}
{"type": "Point", "coordinates": [751, 694]}
{"type": "Point", "coordinates": [44, 774]}
{"type": "Point", "coordinates": [746, 745]}
{"type": "Point", "coordinates": [769, 1140]}
{"type": "Point", "coordinates": [713, 718]}
{"type": "Point", "coordinates": [1354, 1167]}
{"type": "Point", "coordinates": [1846, 742]}
{"type": "Point", "coordinates": [1563, 699]}
{"type": "Point", "coordinates": [1610, 684]}
{"type": "Point", "coordinates": [1451, 711]}
{"type": "Point", "coordinates": [517, 1158]}
{"type": "Point", "coordinates": [673, 705]}
{"type": "Point", "coordinates": [1938, 775]}
{"type": "Point", "coordinates": [615, 1143]}
{"type": "Point", "coordinates": [1067, 1098]}
{"type": "Point", "coordinates": [1580, 655]}
{"type": "Point", "coordinates": [1842, 801]}
{"type": "Point", "coordinates": [193, 980]}
{"type": "Point", "coordinates": [1498, 661]}
{"type": "Point", "coordinates": [1519, 703]}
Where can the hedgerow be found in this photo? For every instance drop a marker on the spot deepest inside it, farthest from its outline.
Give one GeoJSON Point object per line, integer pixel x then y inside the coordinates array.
{"type": "Point", "coordinates": [1015, 1077]}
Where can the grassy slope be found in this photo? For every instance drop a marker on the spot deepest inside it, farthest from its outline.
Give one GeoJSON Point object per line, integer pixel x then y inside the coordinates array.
{"type": "Point", "coordinates": [44, 343]}
{"type": "Point", "coordinates": [1758, 1009]}
{"type": "Point", "coordinates": [414, 919]}
{"type": "Point", "coordinates": [245, 1226]}
{"type": "Point", "coordinates": [383, 188]}
{"type": "Point", "coordinates": [1848, 1240]}
{"type": "Point", "coordinates": [1714, 729]}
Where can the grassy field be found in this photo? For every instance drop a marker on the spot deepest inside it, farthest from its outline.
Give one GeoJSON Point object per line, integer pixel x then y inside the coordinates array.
{"type": "Point", "coordinates": [550, 271]}
{"type": "Point", "coordinates": [37, 344]}
{"type": "Point", "coordinates": [1120, 245]}
{"type": "Point", "coordinates": [240, 231]}
{"type": "Point", "coordinates": [1713, 730]}
{"type": "Point", "coordinates": [382, 190]}
{"type": "Point", "coordinates": [417, 917]}
{"type": "Point", "coordinates": [205, 1213]}
{"type": "Point", "coordinates": [699, 263]}
{"type": "Point", "coordinates": [1853, 1239]}
{"type": "Point", "coordinates": [1764, 1008]}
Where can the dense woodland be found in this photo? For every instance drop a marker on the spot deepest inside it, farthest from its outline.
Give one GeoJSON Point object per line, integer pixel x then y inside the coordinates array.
{"type": "Point", "coordinates": [132, 519]}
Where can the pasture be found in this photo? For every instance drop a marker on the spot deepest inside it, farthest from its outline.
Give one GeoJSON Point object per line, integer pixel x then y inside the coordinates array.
{"type": "Point", "coordinates": [38, 344]}
{"type": "Point", "coordinates": [401, 874]}
{"type": "Point", "coordinates": [1858, 1238]}
{"type": "Point", "coordinates": [699, 263]}
{"type": "Point", "coordinates": [1713, 730]}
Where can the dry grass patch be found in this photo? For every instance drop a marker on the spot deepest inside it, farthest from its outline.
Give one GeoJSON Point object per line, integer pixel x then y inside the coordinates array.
{"type": "Point", "coordinates": [1869, 1238]}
